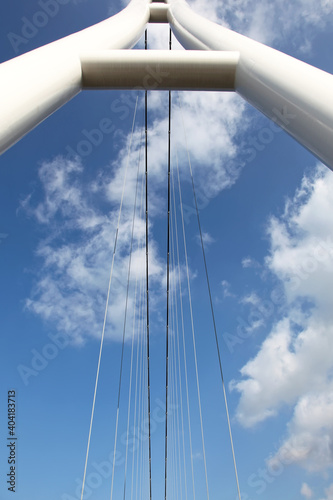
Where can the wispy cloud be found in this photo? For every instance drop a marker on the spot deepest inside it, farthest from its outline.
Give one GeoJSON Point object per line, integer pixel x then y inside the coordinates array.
{"type": "Point", "coordinates": [306, 491]}
{"type": "Point", "coordinates": [249, 262]}
{"type": "Point", "coordinates": [75, 255]}
{"type": "Point", "coordinates": [328, 493]}
{"type": "Point", "coordinates": [270, 23]}
{"type": "Point", "coordinates": [251, 299]}
{"type": "Point", "coordinates": [226, 289]}
{"type": "Point", "coordinates": [206, 238]}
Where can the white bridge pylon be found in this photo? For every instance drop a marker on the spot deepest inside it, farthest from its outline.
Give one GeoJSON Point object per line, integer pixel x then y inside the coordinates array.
{"type": "Point", "coordinates": [295, 95]}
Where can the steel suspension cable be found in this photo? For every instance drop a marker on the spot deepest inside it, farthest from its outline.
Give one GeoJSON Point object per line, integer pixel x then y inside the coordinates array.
{"type": "Point", "coordinates": [173, 479]}
{"type": "Point", "coordinates": [168, 285]}
{"type": "Point", "coordinates": [127, 291]}
{"type": "Point", "coordinates": [174, 233]}
{"type": "Point", "coordinates": [176, 355]}
{"type": "Point", "coordinates": [130, 388]}
{"type": "Point", "coordinates": [147, 277]}
{"type": "Point", "coordinates": [140, 419]}
{"type": "Point", "coordinates": [174, 400]}
{"type": "Point", "coordinates": [141, 395]}
{"type": "Point", "coordinates": [143, 448]}
{"type": "Point", "coordinates": [193, 337]}
{"type": "Point", "coordinates": [183, 334]}
{"type": "Point", "coordinates": [139, 346]}
{"type": "Point", "coordinates": [173, 381]}
{"type": "Point", "coordinates": [211, 306]}
{"type": "Point", "coordinates": [167, 324]}
{"type": "Point", "coordinates": [107, 305]}
{"type": "Point", "coordinates": [124, 331]}
{"type": "Point", "coordinates": [141, 429]}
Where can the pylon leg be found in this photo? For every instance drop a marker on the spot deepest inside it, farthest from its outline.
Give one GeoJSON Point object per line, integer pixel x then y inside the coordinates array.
{"type": "Point", "coordinates": [36, 84]}
{"type": "Point", "coordinates": [293, 94]}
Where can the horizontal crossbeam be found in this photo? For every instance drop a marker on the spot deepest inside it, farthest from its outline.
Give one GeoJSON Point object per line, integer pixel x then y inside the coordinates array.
{"type": "Point", "coordinates": [159, 70]}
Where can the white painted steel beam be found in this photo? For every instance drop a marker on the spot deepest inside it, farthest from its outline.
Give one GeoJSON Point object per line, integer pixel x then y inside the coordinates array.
{"type": "Point", "coordinates": [158, 13]}
{"type": "Point", "coordinates": [293, 94]}
{"type": "Point", "coordinates": [34, 85]}
{"type": "Point", "coordinates": [159, 70]}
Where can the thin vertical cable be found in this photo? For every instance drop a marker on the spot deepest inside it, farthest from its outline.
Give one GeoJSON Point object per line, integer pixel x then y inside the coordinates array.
{"type": "Point", "coordinates": [175, 338]}
{"type": "Point", "coordinates": [123, 339]}
{"type": "Point", "coordinates": [174, 387]}
{"type": "Point", "coordinates": [183, 329]}
{"type": "Point", "coordinates": [140, 419]}
{"type": "Point", "coordinates": [137, 372]}
{"type": "Point", "coordinates": [177, 327]}
{"type": "Point", "coordinates": [140, 343]}
{"type": "Point", "coordinates": [193, 337]}
{"type": "Point", "coordinates": [147, 275]}
{"type": "Point", "coordinates": [168, 286]}
{"type": "Point", "coordinates": [107, 307]}
{"type": "Point", "coordinates": [211, 306]}
{"type": "Point", "coordinates": [127, 293]}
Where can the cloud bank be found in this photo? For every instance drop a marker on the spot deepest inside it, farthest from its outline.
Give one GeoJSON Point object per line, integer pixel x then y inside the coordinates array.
{"type": "Point", "coordinates": [294, 365]}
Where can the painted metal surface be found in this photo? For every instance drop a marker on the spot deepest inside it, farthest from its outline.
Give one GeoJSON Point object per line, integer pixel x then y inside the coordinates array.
{"type": "Point", "coordinates": [159, 70]}
{"type": "Point", "coordinates": [158, 13]}
{"type": "Point", "coordinates": [295, 95]}
{"type": "Point", "coordinates": [34, 85]}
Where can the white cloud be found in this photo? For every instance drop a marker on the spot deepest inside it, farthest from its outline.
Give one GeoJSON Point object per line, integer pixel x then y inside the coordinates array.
{"type": "Point", "coordinates": [294, 365]}
{"type": "Point", "coordinates": [310, 439]}
{"type": "Point", "coordinates": [302, 243]}
{"type": "Point", "coordinates": [71, 283]}
{"type": "Point", "coordinates": [274, 23]}
{"type": "Point", "coordinates": [61, 194]}
{"type": "Point", "coordinates": [270, 23]}
{"type": "Point", "coordinates": [251, 299]}
{"type": "Point", "coordinates": [329, 493]}
{"type": "Point", "coordinates": [226, 289]}
{"type": "Point", "coordinates": [306, 491]}
{"type": "Point", "coordinates": [212, 122]}
{"type": "Point", "coordinates": [207, 239]}
{"type": "Point", "coordinates": [249, 262]}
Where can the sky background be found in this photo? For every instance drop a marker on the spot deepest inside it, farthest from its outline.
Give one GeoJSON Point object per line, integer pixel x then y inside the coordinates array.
{"type": "Point", "coordinates": [266, 209]}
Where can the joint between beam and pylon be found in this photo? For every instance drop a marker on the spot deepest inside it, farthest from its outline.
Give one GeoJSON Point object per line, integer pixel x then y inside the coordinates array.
{"type": "Point", "coordinates": [158, 12]}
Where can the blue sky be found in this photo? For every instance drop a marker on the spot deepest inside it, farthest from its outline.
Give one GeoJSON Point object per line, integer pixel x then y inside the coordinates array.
{"type": "Point", "coordinates": [266, 212]}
